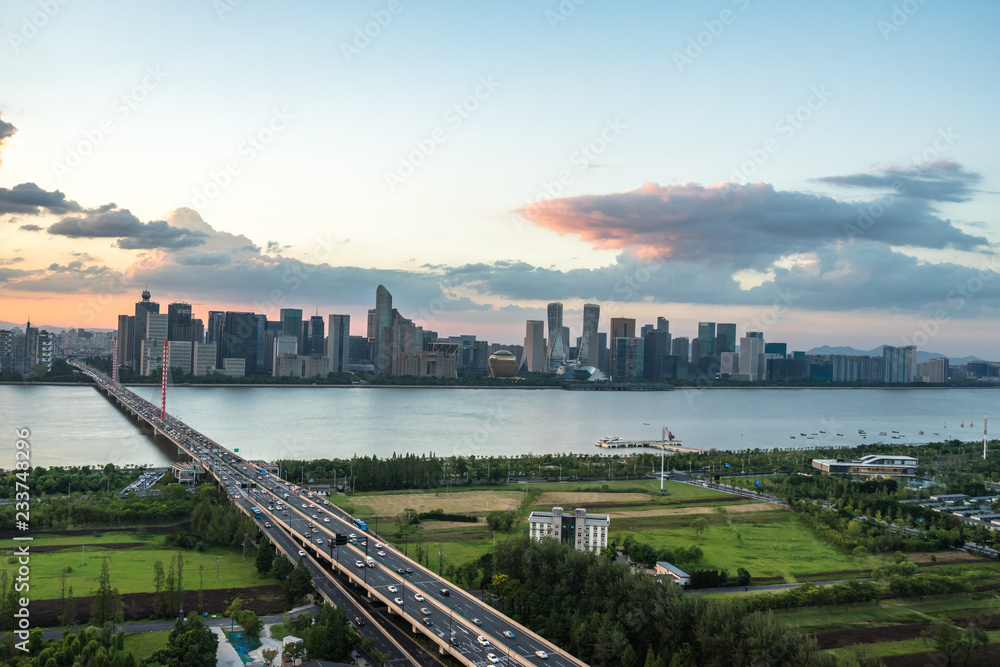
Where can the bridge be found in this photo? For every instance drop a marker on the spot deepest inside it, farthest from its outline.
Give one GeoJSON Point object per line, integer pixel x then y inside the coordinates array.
{"type": "Point", "coordinates": [305, 526]}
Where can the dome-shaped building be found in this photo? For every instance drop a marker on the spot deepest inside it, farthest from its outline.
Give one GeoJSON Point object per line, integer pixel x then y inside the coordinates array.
{"type": "Point", "coordinates": [503, 364]}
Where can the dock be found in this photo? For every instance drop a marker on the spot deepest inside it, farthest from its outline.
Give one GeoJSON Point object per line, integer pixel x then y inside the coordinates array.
{"type": "Point", "coordinates": [670, 446]}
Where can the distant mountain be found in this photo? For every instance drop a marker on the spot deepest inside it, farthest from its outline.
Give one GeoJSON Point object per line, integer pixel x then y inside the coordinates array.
{"type": "Point", "coordinates": [47, 327]}
{"type": "Point", "coordinates": [922, 356]}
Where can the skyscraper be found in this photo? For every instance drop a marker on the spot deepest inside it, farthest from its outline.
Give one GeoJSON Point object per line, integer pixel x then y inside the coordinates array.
{"type": "Point", "coordinates": [662, 324]}
{"type": "Point", "coordinates": [591, 320]}
{"type": "Point", "coordinates": [179, 321]}
{"type": "Point", "coordinates": [315, 339]}
{"type": "Point", "coordinates": [534, 346]}
{"type": "Point", "coordinates": [142, 309]}
{"type": "Point", "coordinates": [706, 339]}
{"type": "Point", "coordinates": [379, 330]}
{"type": "Point", "coordinates": [238, 339]}
{"type": "Point", "coordinates": [558, 340]}
{"type": "Point", "coordinates": [338, 347]}
{"type": "Point", "coordinates": [725, 338]}
{"type": "Point", "coordinates": [621, 327]}
{"type": "Point", "coordinates": [291, 325]}
{"type": "Point", "coordinates": [899, 364]}
{"type": "Point", "coordinates": [752, 355]}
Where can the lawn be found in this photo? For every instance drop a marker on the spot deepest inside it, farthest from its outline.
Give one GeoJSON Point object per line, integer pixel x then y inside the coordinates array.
{"type": "Point", "coordinates": [900, 610]}
{"type": "Point", "coordinates": [767, 544]}
{"type": "Point", "coordinates": [45, 539]}
{"type": "Point", "coordinates": [144, 644]}
{"type": "Point", "coordinates": [906, 646]}
{"type": "Point", "coordinates": [456, 502]}
{"type": "Point", "coordinates": [131, 570]}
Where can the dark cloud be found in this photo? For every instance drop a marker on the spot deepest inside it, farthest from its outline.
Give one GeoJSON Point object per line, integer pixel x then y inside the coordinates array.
{"type": "Point", "coordinates": [132, 234]}
{"type": "Point", "coordinates": [12, 260]}
{"type": "Point", "coordinates": [943, 180]}
{"type": "Point", "coordinates": [31, 228]}
{"type": "Point", "coordinates": [72, 278]}
{"type": "Point", "coordinates": [29, 199]}
{"type": "Point", "coordinates": [6, 130]}
{"type": "Point", "coordinates": [202, 259]}
{"type": "Point", "coordinates": [747, 226]}
{"type": "Point", "coordinates": [274, 247]}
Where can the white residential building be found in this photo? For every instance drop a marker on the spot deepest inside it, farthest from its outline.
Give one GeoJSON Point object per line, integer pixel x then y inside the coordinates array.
{"type": "Point", "coordinates": [584, 532]}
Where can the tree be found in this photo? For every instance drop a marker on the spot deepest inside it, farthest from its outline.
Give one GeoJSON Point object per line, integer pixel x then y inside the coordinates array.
{"type": "Point", "coordinates": [265, 556]}
{"type": "Point", "coordinates": [269, 654]}
{"type": "Point", "coordinates": [158, 586]}
{"type": "Point", "coordinates": [281, 567]}
{"type": "Point", "coordinates": [743, 576]}
{"type": "Point", "coordinates": [295, 651]}
{"type": "Point", "coordinates": [233, 612]}
{"type": "Point", "coordinates": [250, 623]}
{"type": "Point", "coordinates": [191, 644]}
{"type": "Point", "coordinates": [107, 601]}
{"type": "Point", "coordinates": [298, 584]}
{"type": "Point", "coordinates": [700, 525]}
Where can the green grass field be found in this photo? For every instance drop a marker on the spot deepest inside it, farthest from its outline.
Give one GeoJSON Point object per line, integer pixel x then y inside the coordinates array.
{"type": "Point", "coordinates": [132, 569]}
{"type": "Point", "coordinates": [900, 610]}
{"type": "Point", "coordinates": [907, 646]}
{"type": "Point", "coordinates": [767, 544]}
{"type": "Point", "coordinates": [45, 539]}
{"type": "Point", "coordinates": [144, 644]}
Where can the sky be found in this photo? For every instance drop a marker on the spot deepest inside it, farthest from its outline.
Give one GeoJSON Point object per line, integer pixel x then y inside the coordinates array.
{"type": "Point", "coordinates": [823, 172]}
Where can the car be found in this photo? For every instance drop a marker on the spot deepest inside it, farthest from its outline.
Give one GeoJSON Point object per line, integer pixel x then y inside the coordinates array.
{"type": "Point", "coordinates": [398, 601]}
{"type": "Point", "coordinates": [382, 554]}
{"type": "Point", "coordinates": [477, 621]}
{"type": "Point", "coordinates": [308, 535]}
{"type": "Point", "coordinates": [315, 516]}
{"type": "Point", "coordinates": [363, 543]}
{"type": "Point", "coordinates": [301, 553]}
{"type": "Point", "coordinates": [305, 506]}
{"type": "Point", "coordinates": [326, 519]}
{"type": "Point", "coordinates": [409, 571]}
{"type": "Point", "coordinates": [418, 597]}
{"type": "Point", "coordinates": [451, 640]}
{"type": "Point", "coordinates": [428, 622]}
{"type": "Point", "coordinates": [267, 524]}
{"type": "Point", "coordinates": [425, 611]}
{"type": "Point", "coordinates": [359, 563]}
{"type": "Point", "coordinates": [400, 570]}
{"type": "Point", "coordinates": [319, 540]}
{"type": "Point", "coordinates": [508, 634]}
{"type": "Point", "coordinates": [444, 592]}
{"type": "Point", "coordinates": [353, 536]}
{"type": "Point", "coordinates": [284, 514]}
{"type": "Point", "coordinates": [393, 589]}
{"type": "Point", "coordinates": [483, 641]}
{"type": "Point", "coordinates": [492, 658]}
{"type": "Point", "coordinates": [358, 621]}
{"type": "Point", "coordinates": [378, 545]}
{"type": "Point", "coordinates": [542, 654]}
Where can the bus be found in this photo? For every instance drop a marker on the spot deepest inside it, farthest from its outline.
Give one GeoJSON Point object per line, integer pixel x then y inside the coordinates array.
{"type": "Point", "coordinates": [361, 524]}
{"type": "Point", "coordinates": [256, 511]}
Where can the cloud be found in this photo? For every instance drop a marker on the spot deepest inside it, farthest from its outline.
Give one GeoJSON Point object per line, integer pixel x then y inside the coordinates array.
{"type": "Point", "coordinates": [29, 199]}
{"type": "Point", "coordinates": [132, 234]}
{"type": "Point", "coordinates": [6, 131]}
{"type": "Point", "coordinates": [31, 228]}
{"type": "Point", "coordinates": [72, 278]}
{"type": "Point", "coordinates": [943, 180]}
{"type": "Point", "coordinates": [748, 226]}
{"type": "Point", "coordinates": [12, 260]}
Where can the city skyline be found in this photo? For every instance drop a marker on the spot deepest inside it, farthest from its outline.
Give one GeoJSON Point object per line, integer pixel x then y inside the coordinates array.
{"type": "Point", "coordinates": [833, 188]}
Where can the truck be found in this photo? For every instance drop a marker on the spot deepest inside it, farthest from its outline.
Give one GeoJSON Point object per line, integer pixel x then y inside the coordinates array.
{"type": "Point", "coordinates": [369, 562]}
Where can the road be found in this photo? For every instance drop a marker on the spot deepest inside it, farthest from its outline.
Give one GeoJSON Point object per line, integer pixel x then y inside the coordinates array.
{"type": "Point", "coordinates": [470, 629]}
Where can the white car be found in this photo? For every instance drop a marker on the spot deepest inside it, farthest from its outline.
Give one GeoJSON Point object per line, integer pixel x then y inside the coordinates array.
{"type": "Point", "coordinates": [418, 597]}
{"type": "Point", "coordinates": [359, 563]}
{"type": "Point", "coordinates": [326, 519]}
{"type": "Point", "coordinates": [492, 658]}
{"type": "Point", "coordinates": [382, 554]}
{"type": "Point", "coordinates": [398, 601]}
{"type": "Point", "coordinates": [483, 641]}
{"type": "Point", "coordinates": [378, 545]}
{"type": "Point", "coordinates": [393, 589]}
{"type": "Point", "coordinates": [302, 553]}
{"type": "Point", "coordinates": [542, 654]}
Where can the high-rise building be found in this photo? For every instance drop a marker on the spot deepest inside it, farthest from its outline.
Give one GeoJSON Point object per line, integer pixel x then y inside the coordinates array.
{"type": "Point", "coordinates": [534, 346]}
{"type": "Point", "coordinates": [179, 321]}
{"type": "Point", "coordinates": [558, 340]}
{"type": "Point", "coordinates": [214, 318]}
{"type": "Point", "coordinates": [291, 325]}
{"type": "Point", "coordinates": [205, 358]}
{"type": "Point", "coordinates": [379, 330]}
{"type": "Point", "coordinates": [315, 335]}
{"type": "Point", "coordinates": [934, 371]}
{"type": "Point", "coordinates": [179, 355]}
{"type": "Point", "coordinates": [752, 356]}
{"type": "Point", "coordinates": [338, 347]}
{"type": "Point", "coordinates": [899, 364]}
{"type": "Point", "coordinates": [197, 330]}
{"type": "Point", "coordinates": [621, 327]}
{"type": "Point", "coordinates": [780, 349]}
{"type": "Point", "coordinates": [662, 324]}
{"type": "Point", "coordinates": [725, 338]}
{"type": "Point", "coordinates": [681, 348]}
{"type": "Point", "coordinates": [591, 320]}
{"type": "Point", "coordinates": [627, 359]}
{"type": "Point", "coordinates": [706, 339]}
{"type": "Point", "coordinates": [126, 331]}
{"type": "Point", "coordinates": [238, 340]}
{"type": "Point", "coordinates": [645, 330]}
{"type": "Point", "coordinates": [656, 350]}
{"type": "Point", "coordinates": [151, 355]}
{"type": "Point", "coordinates": [142, 309]}
{"type": "Point", "coordinates": [6, 351]}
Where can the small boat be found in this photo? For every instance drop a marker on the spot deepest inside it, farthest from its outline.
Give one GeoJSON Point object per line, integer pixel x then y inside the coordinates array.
{"type": "Point", "coordinates": [792, 437]}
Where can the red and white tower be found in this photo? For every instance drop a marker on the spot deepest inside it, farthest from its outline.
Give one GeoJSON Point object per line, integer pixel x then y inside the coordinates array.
{"type": "Point", "coordinates": [164, 365]}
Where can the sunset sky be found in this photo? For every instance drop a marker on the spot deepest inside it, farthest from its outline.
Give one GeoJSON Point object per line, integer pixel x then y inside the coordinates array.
{"type": "Point", "coordinates": [824, 172]}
